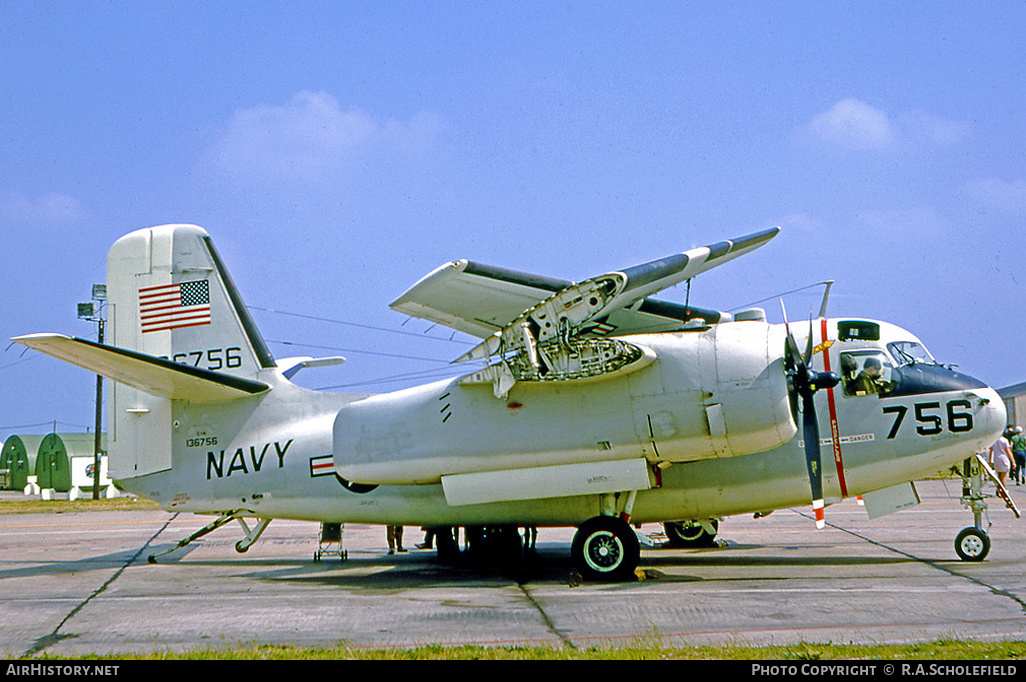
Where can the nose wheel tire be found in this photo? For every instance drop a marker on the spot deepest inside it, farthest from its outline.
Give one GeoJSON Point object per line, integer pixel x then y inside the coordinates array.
{"type": "Point", "coordinates": [972, 544]}
{"type": "Point", "coordinates": [606, 548]}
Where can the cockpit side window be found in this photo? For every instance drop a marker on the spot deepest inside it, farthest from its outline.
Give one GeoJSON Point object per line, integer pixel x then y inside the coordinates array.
{"type": "Point", "coordinates": [869, 372]}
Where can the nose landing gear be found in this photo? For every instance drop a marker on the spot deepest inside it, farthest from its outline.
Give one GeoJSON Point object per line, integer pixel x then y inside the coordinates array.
{"type": "Point", "coordinates": [973, 543]}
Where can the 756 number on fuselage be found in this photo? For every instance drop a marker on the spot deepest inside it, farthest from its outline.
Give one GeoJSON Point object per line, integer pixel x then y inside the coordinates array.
{"type": "Point", "coordinates": [932, 418]}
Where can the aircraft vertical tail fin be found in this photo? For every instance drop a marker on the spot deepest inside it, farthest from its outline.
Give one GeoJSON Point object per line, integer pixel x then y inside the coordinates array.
{"type": "Point", "coordinates": [171, 297]}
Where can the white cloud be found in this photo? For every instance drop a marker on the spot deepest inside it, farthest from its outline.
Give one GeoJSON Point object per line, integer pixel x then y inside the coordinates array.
{"type": "Point", "coordinates": [49, 209]}
{"type": "Point", "coordinates": [1007, 197]}
{"type": "Point", "coordinates": [853, 124]}
{"type": "Point", "coordinates": [312, 136]}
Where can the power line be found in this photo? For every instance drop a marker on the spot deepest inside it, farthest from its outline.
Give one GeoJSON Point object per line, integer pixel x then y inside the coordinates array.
{"type": "Point", "coordinates": [441, 373]}
{"type": "Point", "coordinates": [357, 325]}
{"type": "Point", "coordinates": [50, 423]}
{"type": "Point", "coordinates": [355, 350]}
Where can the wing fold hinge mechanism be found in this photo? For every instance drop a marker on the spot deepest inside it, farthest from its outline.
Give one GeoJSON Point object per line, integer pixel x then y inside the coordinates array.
{"type": "Point", "coordinates": [550, 341]}
{"type": "Point", "coordinates": [578, 360]}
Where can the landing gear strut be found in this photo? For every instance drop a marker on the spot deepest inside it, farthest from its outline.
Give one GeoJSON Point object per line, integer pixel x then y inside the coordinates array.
{"type": "Point", "coordinates": [973, 543]}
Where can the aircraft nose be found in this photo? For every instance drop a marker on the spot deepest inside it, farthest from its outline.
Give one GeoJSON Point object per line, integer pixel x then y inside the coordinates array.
{"type": "Point", "coordinates": [991, 416]}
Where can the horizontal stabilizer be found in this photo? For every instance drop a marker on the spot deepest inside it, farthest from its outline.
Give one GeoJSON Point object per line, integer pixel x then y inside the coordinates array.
{"type": "Point", "coordinates": [147, 373]}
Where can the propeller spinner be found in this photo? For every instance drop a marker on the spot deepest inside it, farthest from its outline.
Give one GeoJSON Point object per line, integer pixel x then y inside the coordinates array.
{"type": "Point", "coordinates": [803, 382]}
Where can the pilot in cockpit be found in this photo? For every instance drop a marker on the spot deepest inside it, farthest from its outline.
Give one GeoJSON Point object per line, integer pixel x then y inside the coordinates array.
{"type": "Point", "coordinates": [870, 380]}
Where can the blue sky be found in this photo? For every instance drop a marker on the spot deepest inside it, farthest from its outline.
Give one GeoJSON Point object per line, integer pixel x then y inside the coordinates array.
{"type": "Point", "coordinates": [337, 152]}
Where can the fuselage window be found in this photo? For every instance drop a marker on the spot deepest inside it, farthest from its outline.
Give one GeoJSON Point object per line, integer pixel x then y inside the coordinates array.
{"type": "Point", "coordinates": [867, 373]}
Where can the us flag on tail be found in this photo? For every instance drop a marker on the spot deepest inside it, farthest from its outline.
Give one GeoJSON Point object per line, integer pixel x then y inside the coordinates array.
{"type": "Point", "coordinates": [174, 306]}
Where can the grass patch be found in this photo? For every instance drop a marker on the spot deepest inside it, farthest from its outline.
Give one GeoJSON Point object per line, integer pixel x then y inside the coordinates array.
{"type": "Point", "coordinates": [642, 651]}
{"type": "Point", "coordinates": [36, 506]}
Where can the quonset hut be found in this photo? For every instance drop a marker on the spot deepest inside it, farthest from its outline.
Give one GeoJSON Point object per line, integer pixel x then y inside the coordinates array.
{"type": "Point", "coordinates": [18, 460]}
{"type": "Point", "coordinates": [47, 458]}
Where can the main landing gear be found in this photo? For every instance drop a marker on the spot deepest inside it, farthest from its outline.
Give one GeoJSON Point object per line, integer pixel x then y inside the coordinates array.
{"type": "Point", "coordinates": [973, 543]}
{"type": "Point", "coordinates": [690, 534]}
{"type": "Point", "coordinates": [606, 547]}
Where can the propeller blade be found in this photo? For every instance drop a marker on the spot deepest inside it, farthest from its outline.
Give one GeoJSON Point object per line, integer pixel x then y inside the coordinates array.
{"type": "Point", "coordinates": [791, 354]}
{"type": "Point", "coordinates": [812, 457]}
{"type": "Point", "coordinates": [804, 382]}
{"type": "Point", "coordinates": [807, 356]}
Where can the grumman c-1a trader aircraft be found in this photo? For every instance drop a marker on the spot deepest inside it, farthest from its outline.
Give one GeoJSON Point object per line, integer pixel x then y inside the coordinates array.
{"type": "Point", "coordinates": [596, 407]}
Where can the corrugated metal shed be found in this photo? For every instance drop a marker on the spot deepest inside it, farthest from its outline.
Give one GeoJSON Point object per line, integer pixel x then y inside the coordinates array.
{"type": "Point", "coordinates": [53, 461]}
{"type": "Point", "coordinates": [18, 458]}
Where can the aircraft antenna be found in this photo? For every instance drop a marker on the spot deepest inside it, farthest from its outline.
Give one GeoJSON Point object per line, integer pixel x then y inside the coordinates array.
{"type": "Point", "coordinates": [787, 293]}
{"type": "Point", "coordinates": [826, 295]}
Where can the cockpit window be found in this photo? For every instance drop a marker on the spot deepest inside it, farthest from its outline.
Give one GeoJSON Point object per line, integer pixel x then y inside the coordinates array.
{"type": "Point", "coordinates": [910, 353]}
{"type": "Point", "coordinates": [867, 373]}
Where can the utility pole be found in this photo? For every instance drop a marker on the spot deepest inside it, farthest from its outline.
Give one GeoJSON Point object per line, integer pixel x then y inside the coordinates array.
{"type": "Point", "coordinates": [93, 312]}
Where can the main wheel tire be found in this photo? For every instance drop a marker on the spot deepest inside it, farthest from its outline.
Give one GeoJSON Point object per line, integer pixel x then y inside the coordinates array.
{"type": "Point", "coordinates": [690, 534]}
{"type": "Point", "coordinates": [972, 544]}
{"type": "Point", "coordinates": [606, 548]}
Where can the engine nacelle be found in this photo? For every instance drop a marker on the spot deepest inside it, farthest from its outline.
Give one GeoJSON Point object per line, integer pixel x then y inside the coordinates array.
{"type": "Point", "coordinates": [715, 392]}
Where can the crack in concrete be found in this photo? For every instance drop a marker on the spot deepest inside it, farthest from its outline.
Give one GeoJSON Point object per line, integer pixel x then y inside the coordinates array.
{"type": "Point", "coordinates": [57, 636]}
{"type": "Point", "coordinates": [549, 624]}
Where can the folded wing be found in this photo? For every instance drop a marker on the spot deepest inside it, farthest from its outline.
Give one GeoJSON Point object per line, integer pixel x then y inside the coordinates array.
{"type": "Point", "coordinates": [481, 300]}
{"type": "Point", "coordinates": [545, 329]}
